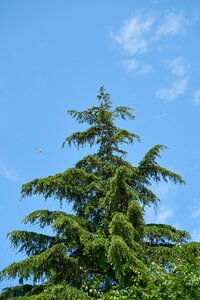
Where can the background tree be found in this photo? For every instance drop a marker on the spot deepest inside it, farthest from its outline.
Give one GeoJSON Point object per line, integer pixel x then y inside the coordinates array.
{"type": "Point", "coordinates": [105, 247]}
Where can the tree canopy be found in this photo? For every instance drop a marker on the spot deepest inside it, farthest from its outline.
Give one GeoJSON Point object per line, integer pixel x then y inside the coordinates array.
{"type": "Point", "coordinates": [104, 250]}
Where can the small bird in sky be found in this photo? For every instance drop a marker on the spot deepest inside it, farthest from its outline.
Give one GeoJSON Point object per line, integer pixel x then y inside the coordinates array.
{"type": "Point", "coordinates": [40, 150]}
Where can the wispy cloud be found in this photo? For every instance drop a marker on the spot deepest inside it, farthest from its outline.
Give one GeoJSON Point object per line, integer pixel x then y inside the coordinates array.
{"type": "Point", "coordinates": [137, 67]}
{"type": "Point", "coordinates": [177, 88]}
{"type": "Point", "coordinates": [7, 172]}
{"type": "Point", "coordinates": [141, 30]}
{"type": "Point", "coordinates": [162, 215]}
{"type": "Point", "coordinates": [178, 67]}
{"type": "Point", "coordinates": [135, 39]}
{"type": "Point", "coordinates": [145, 32]}
{"type": "Point", "coordinates": [195, 16]}
{"type": "Point", "coordinates": [172, 23]}
{"type": "Point", "coordinates": [196, 98]}
{"type": "Point", "coordinates": [133, 34]}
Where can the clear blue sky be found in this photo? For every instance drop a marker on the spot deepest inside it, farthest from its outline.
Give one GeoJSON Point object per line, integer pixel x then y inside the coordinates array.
{"type": "Point", "coordinates": [54, 56]}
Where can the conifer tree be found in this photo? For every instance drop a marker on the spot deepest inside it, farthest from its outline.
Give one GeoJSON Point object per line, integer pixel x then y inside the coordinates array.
{"type": "Point", "coordinates": [105, 244]}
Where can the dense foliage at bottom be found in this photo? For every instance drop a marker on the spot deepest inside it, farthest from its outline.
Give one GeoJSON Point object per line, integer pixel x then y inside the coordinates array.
{"type": "Point", "coordinates": [105, 250]}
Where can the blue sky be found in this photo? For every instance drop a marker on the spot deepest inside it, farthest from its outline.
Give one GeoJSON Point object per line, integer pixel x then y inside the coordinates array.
{"type": "Point", "coordinates": [54, 56]}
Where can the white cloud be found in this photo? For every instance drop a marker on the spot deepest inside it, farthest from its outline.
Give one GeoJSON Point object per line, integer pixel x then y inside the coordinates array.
{"type": "Point", "coordinates": [144, 32]}
{"type": "Point", "coordinates": [162, 215]}
{"type": "Point", "coordinates": [8, 173]}
{"type": "Point", "coordinates": [133, 34]}
{"type": "Point", "coordinates": [195, 16]}
{"type": "Point", "coordinates": [196, 98]}
{"type": "Point", "coordinates": [140, 31]}
{"type": "Point", "coordinates": [172, 24]}
{"type": "Point", "coordinates": [196, 213]}
{"type": "Point", "coordinates": [177, 88]}
{"type": "Point", "coordinates": [178, 66]}
{"type": "Point", "coordinates": [137, 67]}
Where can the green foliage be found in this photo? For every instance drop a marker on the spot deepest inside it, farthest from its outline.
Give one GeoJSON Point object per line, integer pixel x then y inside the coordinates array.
{"type": "Point", "coordinates": [48, 265]}
{"type": "Point", "coordinates": [31, 243]}
{"type": "Point", "coordinates": [11, 292]}
{"type": "Point", "coordinates": [162, 234]}
{"type": "Point", "coordinates": [44, 292]}
{"type": "Point", "coordinates": [63, 291]}
{"type": "Point", "coordinates": [182, 281]}
{"type": "Point", "coordinates": [104, 250]}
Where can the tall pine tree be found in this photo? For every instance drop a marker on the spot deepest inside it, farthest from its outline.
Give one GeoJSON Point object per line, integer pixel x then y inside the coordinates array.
{"type": "Point", "coordinates": [105, 243]}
